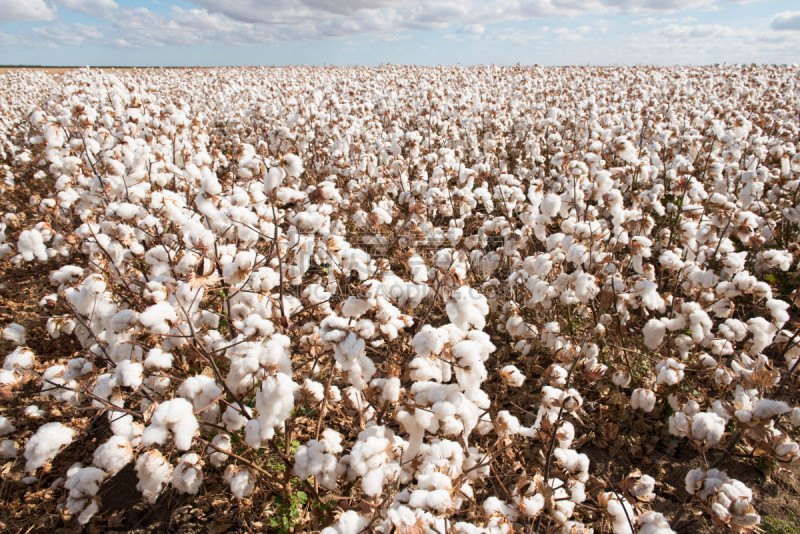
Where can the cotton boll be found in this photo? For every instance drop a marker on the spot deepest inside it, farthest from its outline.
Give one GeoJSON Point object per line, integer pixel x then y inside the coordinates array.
{"type": "Point", "coordinates": [643, 399]}
{"type": "Point", "coordinates": [767, 409]}
{"type": "Point", "coordinates": [128, 374]}
{"type": "Point", "coordinates": [20, 358]}
{"type": "Point", "coordinates": [6, 426]}
{"type": "Point", "coordinates": [643, 487]}
{"type": "Point", "coordinates": [241, 480]}
{"type": "Point", "coordinates": [176, 416]}
{"type": "Point", "coordinates": [221, 443]}
{"type": "Point", "coordinates": [158, 317]}
{"type": "Point", "coordinates": [795, 417]}
{"type": "Point", "coordinates": [153, 472]}
{"type": "Point", "coordinates": [670, 372]}
{"type": "Point", "coordinates": [188, 474]}
{"type": "Point", "coordinates": [654, 332]}
{"type": "Point", "coordinates": [551, 204]}
{"type": "Point", "coordinates": [708, 427]}
{"type": "Point", "coordinates": [15, 333]}
{"type": "Point", "coordinates": [158, 359]}
{"type": "Point", "coordinates": [8, 448]}
{"type": "Point", "coordinates": [653, 523]}
{"type": "Point", "coordinates": [347, 523]}
{"type": "Point", "coordinates": [82, 484]}
{"type": "Point", "coordinates": [113, 455]}
{"type": "Point", "coordinates": [467, 308]}
{"type": "Point", "coordinates": [44, 445]}
{"type": "Point", "coordinates": [31, 245]}
{"type": "Point", "coordinates": [776, 307]}
{"type": "Point", "coordinates": [622, 513]}
{"type": "Point", "coordinates": [512, 376]}
{"type": "Point", "coordinates": [203, 392]}
{"type": "Point", "coordinates": [318, 459]}
{"type": "Point", "coordinates": [621, 378]}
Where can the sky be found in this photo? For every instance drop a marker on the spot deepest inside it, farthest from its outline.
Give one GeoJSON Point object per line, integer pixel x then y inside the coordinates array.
{"type": "Point", "coordinates": [421, 32]}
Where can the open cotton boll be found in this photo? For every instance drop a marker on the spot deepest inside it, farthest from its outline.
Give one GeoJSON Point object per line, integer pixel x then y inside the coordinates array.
{"type": "Point", "coordinates": [202, 391]}
{"type": "Point", "coordinates": [153, 472]}
{"type": "Point", "coordinates": [551, 204]}
{"type": "Point", "coordinates": [708, 427]}
{"type": "Point", "coordinates": [128, 374]}
{"type": "Point", "coordinates": [187, 477]}
{"type": "Point", "coordinates": [670, 371]}
{"type": "Point", "coordinates": [223, 443]}
{"type": "Point", "coordinates": [643, 487]}
{"type": "Point", "coordinates": [44, 445]}
{"type": "Point", "coordinates": [654, 332]}
{"type": "Point", "coordinates": [176, 416]}
{"type": "Point", "coordinates": [113, 455]}
{"type": "Point", "coordinates": [20, 358]}
{"type": "Point", "coordinates": [274, 403]}
{"type": "Point", "coordinates": [241, 480]}
{"type": "Point", "coordinates": [158, 359]}
{"type": "Point", "coordinates": [776, 307]}
{"type": "Point", "coordinates": [768, 408]}
{"type": "Point", "coordinates": [82, 484]}
{"type": "Point", "coordinates": [622, 513]}
{"type": "Point", "coordinates": [373, 457]}
{"type": "Point", "coordinates": [653, 523]}
{"type": "Point", "coordinates": [15, 333]}
{"type": "Point", "coordinates": [158, 317]}
{"type": "Point", "coordinates": [467, 308]}
{"type": "Point", "coordinates": [512, 376]}
{"type": "Point", "coordinates": [31, 245]}
{"type": "Point", "coordinates": [317, 458]}
{"type": "Point", "coordinates": [8, 448]}
{"type": "Point", "coordinates": [347, 523]}
{"type": "Point", "coordinates": [293, 165]}
{"type": "Point", "coordinates": [643, 399]}
{"type": "Point", "coordinates": [621, 378]}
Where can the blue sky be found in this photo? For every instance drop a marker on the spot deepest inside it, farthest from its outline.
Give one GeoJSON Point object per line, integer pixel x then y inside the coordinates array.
{"type": "Point", "coordinates": [371, 32]}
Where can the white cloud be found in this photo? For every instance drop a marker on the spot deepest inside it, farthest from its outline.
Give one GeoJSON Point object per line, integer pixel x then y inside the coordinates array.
{"type": "Point", "coordinates": [33, 10]}
{"type": "Point", "coordinates": [661, 21]}
{"type": "Point", "coordinates": [90, 7]}
{"type": "Point", "coordinates": [697, 31]}
{"type": "Point", "coordinates": [66, 34]}
{"type": "Point", "coordinates": [787, 20]}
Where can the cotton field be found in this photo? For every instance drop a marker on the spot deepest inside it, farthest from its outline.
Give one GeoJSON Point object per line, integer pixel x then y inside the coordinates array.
{"type": "Point", "coordinates": [401, 299]}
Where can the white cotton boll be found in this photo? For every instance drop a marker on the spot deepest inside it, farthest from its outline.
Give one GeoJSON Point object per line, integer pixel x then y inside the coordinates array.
{"type": "Point", "coordinates": [708, 427]}
{"type": "Point", "coordinates": [202, 391]}
{"type": "Point", "coordinates": [293, 165]}
{"type": "Point", "coordinates": [648, 292]}
{"type": "Point", "coordinates": [467, 308]}
{"type": "Point", "coordinates": [670, 372]}
{"type": "Point", "coordinates": [493, 505]}
{"type": "Point", "coordinates": [158, 359]}
{"type": "Point", "coordinates": [532, 506]}
{"type": "Point", "coordinates": [776, 307]}
{"type": "Point", "coordinates": [122, 424]}
{"type": "Point", "coordinates": [20, 358]}
{"type": "Point", "coordinates": [348, 523]}
{"type": "Point", "coordinates": [768, 408]}
{"type": "Point", "coordinates": [222, 442]}
{"type": "Point", "coordinates": [315, 390]}
{"type": "Point", "coordinates": [643, 487]}
{"type": "Point", "coordinates": [241, 480]}
{"type": "Point", "coordinates": [574, 462]}
{"type": "Point", "coordinates": [621, 378]}
{"type": "Point", "coordinates": [512, 376]}
{"type": "Point", "coordinates": [8, 448]}
{"type": "Point", "coordinates": [187, 477]}
{"type": "Point", "coordinates": [653, 523]}
{"type": "Point", "coordinates": [153, 472]}
{"type": "Point", "coordinates": [128, 374]}
{"type": "Point", "coordinates": [654, 332]}
{"type": "Point", "coordinates": [551, 205]}
{"type": "Point", "coordinates": [15, 333]}
{"type": "Point", "coordinates": [389, 387]}
{"type": "Point", "coordinates": [427, 341]}
{"type": "Point", "coordinates": [82, 484]}
{"type": "Point", "coordinates": [176, 416]}
{"type": "Point", "coordinates": [44, 445]}
{"type": "Point", "coordinates": [113, 455]}
{"type": "Point", "coordinates": [355, 307]}
{"type": "Point", "coordinates": [233, 419]}
{"type": "Point", "coordinates": [622, 513]}
{"type": "Point", "coordinates": [643, 399]}
{"type": "Point", "coordinates": [156, 317]}
{"type": "Point", "coordinates": [31, 245]}
{"type": "Point", "coordinates": [795, 417]}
